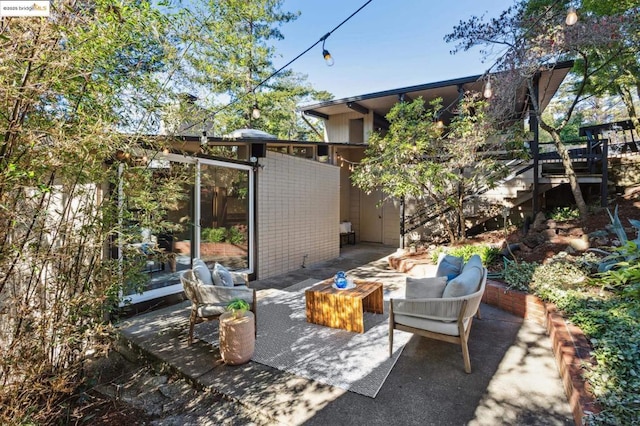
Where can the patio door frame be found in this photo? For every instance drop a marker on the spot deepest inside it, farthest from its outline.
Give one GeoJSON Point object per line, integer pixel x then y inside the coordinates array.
{"type": "Point", "coordinates": [195, 211]}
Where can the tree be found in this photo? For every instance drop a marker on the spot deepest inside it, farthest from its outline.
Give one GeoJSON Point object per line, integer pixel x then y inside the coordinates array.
{"type": "Point", "coordinates": [229, 67]}
{"type": "Point", "coordinates": [420, 160]}
{"type": "Point", "coordinates": [64, 84]}
{"type": "Point", "coordinates": [536, 37]}
{"type": "Point", "coordinates": [620, 75]}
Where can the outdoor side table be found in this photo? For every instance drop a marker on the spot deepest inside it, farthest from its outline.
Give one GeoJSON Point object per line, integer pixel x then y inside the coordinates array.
{"type": "Point", "coordinates": [343, 309]}
{"type": "Point", "coordinates": [237, 338]}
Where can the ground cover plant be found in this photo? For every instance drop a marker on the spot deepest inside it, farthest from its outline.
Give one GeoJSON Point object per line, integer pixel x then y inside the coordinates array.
{"type": "Point", "coordinates": [606, 307]}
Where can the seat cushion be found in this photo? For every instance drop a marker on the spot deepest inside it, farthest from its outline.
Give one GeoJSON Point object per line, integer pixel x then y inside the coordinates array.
{"type": "Point", "coordinates": [201, 272]}
{"type": "Point", "coordinates": [449, 266]}
{"type": "Point", "coordinates": [206, 311]}
{"type": "Point", "coordinates": [467, 282]}
{"type": "Point", "coordinates": [222, 276]}
{"type": "Point", "coordinates": [425, 288]}
{"type": "Point", "coordinates": [443, 327]}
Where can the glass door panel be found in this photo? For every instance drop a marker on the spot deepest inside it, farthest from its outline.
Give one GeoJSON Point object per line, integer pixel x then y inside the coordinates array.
{"type": "Point", "coordinates": [224, 216]}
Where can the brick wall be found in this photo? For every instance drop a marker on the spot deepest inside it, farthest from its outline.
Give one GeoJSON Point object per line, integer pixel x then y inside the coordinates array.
{"type": "Point", "coordinates": [298, 213]}
{"type": "Point", "coordinates": [570, 346]}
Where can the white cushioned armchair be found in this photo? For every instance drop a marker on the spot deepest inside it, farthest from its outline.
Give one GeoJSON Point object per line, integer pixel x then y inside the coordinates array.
{"type": "Point", "coordinates": [439, 309]}
{"type": "Point", "coordinates": [208, 300]}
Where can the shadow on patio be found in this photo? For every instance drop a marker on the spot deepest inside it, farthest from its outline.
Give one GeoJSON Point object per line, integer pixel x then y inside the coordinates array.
{"type": "Point", "coordinates": [514, 377]}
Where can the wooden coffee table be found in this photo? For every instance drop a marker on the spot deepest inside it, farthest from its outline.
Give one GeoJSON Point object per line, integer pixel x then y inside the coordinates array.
{"type": "Point", "coordinates": [343, 308]}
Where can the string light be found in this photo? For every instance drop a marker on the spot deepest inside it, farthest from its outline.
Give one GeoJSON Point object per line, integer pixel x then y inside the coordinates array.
{"type": "Point", "coordinates": [239, 98]}
{"type": "Point", "coordinates": [572, 16]}
{"type": "Point", "coordinates": [256, 111]}
{"type": "Point", "coordinates": [488, 92]}
{"type": "Point", "coordinates": [325, 53]}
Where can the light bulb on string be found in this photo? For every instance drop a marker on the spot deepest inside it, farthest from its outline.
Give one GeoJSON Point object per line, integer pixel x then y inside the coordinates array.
{"type": "Point", "coordinates": [325, 53]}
{"type": "Point", "coordinates": [572, 16]}
{"type": "Point", "coordinates": [488, 91]}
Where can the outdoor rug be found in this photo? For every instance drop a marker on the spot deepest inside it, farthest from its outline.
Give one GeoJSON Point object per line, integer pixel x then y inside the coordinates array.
{"type": "Point", "coordinates": [355, 362]}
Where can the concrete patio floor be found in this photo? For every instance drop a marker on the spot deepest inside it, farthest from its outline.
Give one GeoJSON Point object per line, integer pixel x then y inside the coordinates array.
{"type": "Point", "coordinates": [514, 380]}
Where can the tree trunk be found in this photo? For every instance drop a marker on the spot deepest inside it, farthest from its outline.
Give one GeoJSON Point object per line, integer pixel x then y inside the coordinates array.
{"type": "Point", "coordinates": [627, 99]}
{"type": "Point", "coordinates": [571, 174]}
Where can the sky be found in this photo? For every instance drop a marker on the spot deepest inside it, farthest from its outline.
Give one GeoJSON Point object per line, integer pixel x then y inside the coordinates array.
{"type": "Point", "coordinates": [388, 45]}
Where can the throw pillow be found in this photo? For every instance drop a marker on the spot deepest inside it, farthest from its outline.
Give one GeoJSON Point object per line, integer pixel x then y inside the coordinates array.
{"type": "Point", "coordinates": [448, 265]}
{"type": "Point", "coordinates": [223, 275]}
{"type": "Point", "coordinates": [425, 288]}
{"type": "Point", "coordinates": [202, 273]}
{"type": "Point", "coordinates": [474, 262]}
{"type": "Point", "coordinates": [464, 284]}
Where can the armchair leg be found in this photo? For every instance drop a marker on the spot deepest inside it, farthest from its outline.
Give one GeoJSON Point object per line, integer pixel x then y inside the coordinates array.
{"type": "Point", "coordinates": [192, 323]}
{"type": "Point", "coordinates": [390, 330]}
{"type": "Point", "coordinates": [465, 356]}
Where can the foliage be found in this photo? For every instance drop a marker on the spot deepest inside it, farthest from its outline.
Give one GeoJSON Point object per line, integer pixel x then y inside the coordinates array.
{"type": "Point", "coordinates": [439, 169]}
{"type": "Point", "coordinates": [229, 55]}
{"type": "Point", "coordinates": [559, 273]}
{"type": "Point", "coordinates": [536, 38]}
{"type": "Point", "coordinates": [518, 275]}
{"type": "Point", "coordinates": [612, 325]}
{"type": "Point", "coordinates": [624, 279]}
{"type": "Point", "coordinates": [213, 235]}
{"type": "Point", "coordinates": [611, 321]}
{"type": "Point", "coordinates": [217, 235]}
{"type": "Point", "coordinates": [238, 307]}
{"type": "Point", "coordinates": [562, 214]}
{"type": "Point", "coordinates": [235, 235]}
{"type": "Point", "coordinates": [64, 84]}
{"type": "Point", "coordinates": [487, 254]}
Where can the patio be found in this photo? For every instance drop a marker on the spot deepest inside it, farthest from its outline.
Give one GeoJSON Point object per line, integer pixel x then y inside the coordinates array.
{"type": "Point", "coordinates": [514, 380]}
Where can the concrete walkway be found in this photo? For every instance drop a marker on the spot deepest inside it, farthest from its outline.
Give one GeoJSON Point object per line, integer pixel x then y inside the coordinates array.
{"type": "Point", "coordinates": [514, 380]}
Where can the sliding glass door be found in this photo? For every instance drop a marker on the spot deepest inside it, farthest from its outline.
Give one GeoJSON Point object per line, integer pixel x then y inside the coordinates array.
{"type": "Point", "coordinates": [209, 216]}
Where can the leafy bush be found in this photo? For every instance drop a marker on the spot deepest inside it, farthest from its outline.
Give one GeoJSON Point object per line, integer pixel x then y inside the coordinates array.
{"type": "Point", "coordinates": [213, 235]}
{"type": "Point", "coordinates": [487, 254]}
{"type": "Point", "coordinates": [562, 214]}
{"type": "Point", "coordinates": [612, 325]}
{"type": "Point", "coordinates": [558, 273]}
{"type": "Point", "coordinates": [218, 235]}
{"type": "Point", "coordinates": [518, 275]}
{"type": "Point", "coordinates": [234, 236]}
{"type": "Point", "coordinates": [625, 279]}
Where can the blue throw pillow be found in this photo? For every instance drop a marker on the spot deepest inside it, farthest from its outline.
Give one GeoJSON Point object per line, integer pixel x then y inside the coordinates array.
{"type": "Point", "coordinates": [449, 266]}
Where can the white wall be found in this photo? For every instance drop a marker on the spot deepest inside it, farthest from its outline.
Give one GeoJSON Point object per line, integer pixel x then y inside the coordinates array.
{"type": "Point", "coordinates": [298, 205]}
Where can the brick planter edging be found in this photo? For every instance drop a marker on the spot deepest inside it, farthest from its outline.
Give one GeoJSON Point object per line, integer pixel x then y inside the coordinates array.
{"type": "Point", "coordinates": [570, 346]}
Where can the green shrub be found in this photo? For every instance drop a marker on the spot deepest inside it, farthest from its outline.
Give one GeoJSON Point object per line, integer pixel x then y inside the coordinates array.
{"type": "Point", "coordinates": [518, 276]}
{"type": "Point", "coordinates": [487, 254]}
{"type": "Point", "coordinates": [213, 235]}
{"type": "Point", "coordinates": [625, 279]}
{"type": "Point", "coordinates": [559, 273]}
{"type": "Point", "coordinates": [234, 236]}
{"type": "Point", "coordinates": [562, 214]}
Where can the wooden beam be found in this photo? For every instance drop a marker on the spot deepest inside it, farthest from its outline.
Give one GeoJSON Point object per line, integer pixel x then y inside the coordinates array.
{"type": "Point", "coordinates": [358, 108]}
{"type": "Point", "coordinates": [403, 97]}
{"type": "Point", "coordinates": [316, 114]}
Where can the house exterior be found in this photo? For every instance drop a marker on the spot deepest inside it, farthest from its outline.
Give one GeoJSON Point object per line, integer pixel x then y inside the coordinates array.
{"type": "Point", "coordinates": [281, 203]}
{"type": "Point", "coordinates": [351, 120]}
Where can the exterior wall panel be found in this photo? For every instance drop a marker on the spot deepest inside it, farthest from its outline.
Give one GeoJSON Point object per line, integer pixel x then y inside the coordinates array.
{"type": "Point", "coordinates": [298, 213]}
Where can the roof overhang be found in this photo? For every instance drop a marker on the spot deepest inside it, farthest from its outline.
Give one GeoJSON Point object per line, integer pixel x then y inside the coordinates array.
{"type": "Point", "coordinates": [380, 103]}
